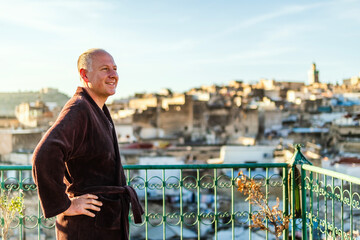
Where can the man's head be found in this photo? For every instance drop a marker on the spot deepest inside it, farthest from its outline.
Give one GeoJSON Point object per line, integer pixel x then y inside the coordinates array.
{"type": "Point", "coordinates": [98, 74]}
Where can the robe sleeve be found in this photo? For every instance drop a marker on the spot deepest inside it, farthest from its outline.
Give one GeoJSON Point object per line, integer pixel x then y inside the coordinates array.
{"type": "Point", "coordinates": [50, 156]}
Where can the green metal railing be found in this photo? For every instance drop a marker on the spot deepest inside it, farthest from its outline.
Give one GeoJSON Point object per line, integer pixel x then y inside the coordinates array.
{"type": "Point", "coordinates": [330, 201]}
{"type": "Point", "coordinates": [202, 201]}
{"type": "Point", "coordinates": [331, 204]}
{"type": "Point", "coordinates": [180, 200]}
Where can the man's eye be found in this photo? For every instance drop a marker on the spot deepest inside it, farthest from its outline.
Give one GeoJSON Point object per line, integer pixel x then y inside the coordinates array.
{"type": "Point", "coordinates": [105, 69]}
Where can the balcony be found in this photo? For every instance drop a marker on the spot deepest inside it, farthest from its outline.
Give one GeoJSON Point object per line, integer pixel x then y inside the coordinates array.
{"type": "Point", "coordinates": [202, 201]}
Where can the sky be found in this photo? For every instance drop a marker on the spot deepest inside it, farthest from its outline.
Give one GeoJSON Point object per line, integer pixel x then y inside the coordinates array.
{"type": "Point", "coordinates": [177, 44]}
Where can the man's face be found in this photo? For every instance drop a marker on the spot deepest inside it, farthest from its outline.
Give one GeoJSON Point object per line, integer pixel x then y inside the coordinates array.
{"type": "Point", "coordinates": [103, 78]}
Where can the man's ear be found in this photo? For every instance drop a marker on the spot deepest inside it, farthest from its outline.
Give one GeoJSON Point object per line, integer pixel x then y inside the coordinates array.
{"type": "Point", "coordinates": [83, 75]}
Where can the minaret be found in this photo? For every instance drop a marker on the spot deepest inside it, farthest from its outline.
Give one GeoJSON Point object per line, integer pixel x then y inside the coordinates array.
{"type": "Point", "coordinates": [313, 74]}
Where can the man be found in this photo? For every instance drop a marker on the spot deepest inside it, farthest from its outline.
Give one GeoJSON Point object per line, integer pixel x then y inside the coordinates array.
{"type": "Point", "coordinates": [76, 165]}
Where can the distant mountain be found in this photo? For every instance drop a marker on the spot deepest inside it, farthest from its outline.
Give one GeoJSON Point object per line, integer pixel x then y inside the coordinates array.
{"type": "Point", "coordinates": [9, 100]}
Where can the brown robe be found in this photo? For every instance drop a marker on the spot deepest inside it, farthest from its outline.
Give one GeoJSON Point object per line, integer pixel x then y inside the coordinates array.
{"type": "Point", "coordinates": [79, 154]}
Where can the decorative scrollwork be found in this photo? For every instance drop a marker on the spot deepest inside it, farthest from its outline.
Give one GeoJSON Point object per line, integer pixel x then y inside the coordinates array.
{"type": "Point", "coordinates": [172, 183]}
{"type": "Point", "coordinates": [322, 190]}
{"type": "Point", "coordinates": [173, 218]}
{"type": "Point", "coordinates": [224, 181]}
{"type": "Point", "coordinates": [340, 194]}
{"type": "Point", "coordinates": [47, 223]}
{"type": "Point", "coordinates": [337, 193]}
{"type": "Point", "coordinates": [190, 218]}
{"type": "Point", "coordinates": [355, 200]}
{"type": "Point", "coordinates": [242, 217]}
{"type": "Point", "coordinates": [323, 225]}
{"type": "Point", "coordinates": [207, 182]}
{"type": "Point", "coordinates": [190, 182]}
{"type": "Point", "coordinates": [27, 184]}
{"type": "Point", "coordinates": [15, 223]}
{"type": "Point", "coordinates": [261, 179]}
{"type": "Point", "coordinates": [137, 183]}
{"type": "Point", "coordinates": [155, 219]}
{"type": "Point", "coordinates": [315, 188]}
{"type": "Point", "coordinates": [11, 184]}
{"type": "Point", "coordinates": [207, 218]}
{"type": "Point", "coordinates": [225, 217]}
{"type": "Point", "coordinates": [155, 183]}
{"type": "Point", "coordinates": [30, 221]}
{"type": "Point", "coordinates": [219, 202]}
{"type": "Point", "coordinates": [275, 180]}
{"type": "Point", "coordinates": [308, 183]}
{"type": "Point", "coordinates": [346, 197]}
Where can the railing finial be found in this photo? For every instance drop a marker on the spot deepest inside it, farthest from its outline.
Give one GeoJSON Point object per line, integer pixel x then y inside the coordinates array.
{"type": "Point", "coordinates": [298, 157]}
{"type": "Point", "coordinates": [298, 146]}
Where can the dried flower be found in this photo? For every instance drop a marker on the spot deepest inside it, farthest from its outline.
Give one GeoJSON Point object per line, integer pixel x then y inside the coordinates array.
{"type": "Point", "coordinates": [274, 215]}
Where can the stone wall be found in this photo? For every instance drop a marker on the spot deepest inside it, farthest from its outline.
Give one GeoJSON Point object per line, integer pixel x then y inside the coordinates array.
{"type": "Point", "coordinates": [177, 119]}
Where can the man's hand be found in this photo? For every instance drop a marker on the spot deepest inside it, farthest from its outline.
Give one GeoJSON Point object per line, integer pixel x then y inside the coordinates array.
{"type": "Point", "coordinates": [81, 204]}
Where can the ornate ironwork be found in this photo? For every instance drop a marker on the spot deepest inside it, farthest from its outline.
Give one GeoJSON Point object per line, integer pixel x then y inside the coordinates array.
{"type": "Point", "coordinates": [204, 199]}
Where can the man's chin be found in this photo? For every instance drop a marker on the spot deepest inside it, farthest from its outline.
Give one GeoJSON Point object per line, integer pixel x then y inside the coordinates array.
{"type": "Point", "coordinates": [111, 91]}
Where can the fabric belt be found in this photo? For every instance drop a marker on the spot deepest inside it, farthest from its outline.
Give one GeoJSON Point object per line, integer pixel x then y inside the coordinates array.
{"type": "Point", "coordinates": [136, 207]}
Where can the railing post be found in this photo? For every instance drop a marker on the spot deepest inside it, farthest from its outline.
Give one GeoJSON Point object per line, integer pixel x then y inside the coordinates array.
{"type": "Point", "coordinates": [164, 203]}
{"type": "Point", "coordinates": [294, 189]}
{"type": "Point", "coordinates": [303, 201]}
{"type": "Point", "coordinates": [297, 190]}
{"type": "Point", "coordinates": [21, 220]}
{"type": "Point", "coordinates": [250, 209]}
{"type": "Point", "coordinates": [146, 206]}
{"type": "Point", "coordinates": [198, 182]}
{"type": "Point", "coordinates": [285, 199]}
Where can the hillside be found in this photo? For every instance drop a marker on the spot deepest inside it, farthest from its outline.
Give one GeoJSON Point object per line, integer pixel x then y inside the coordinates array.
{"type": "Point", "coordinates": [9, 100]}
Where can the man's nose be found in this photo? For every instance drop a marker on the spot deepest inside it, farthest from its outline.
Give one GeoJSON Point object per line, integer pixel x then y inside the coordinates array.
{"type": "Point", "coordinates": [114, 74]}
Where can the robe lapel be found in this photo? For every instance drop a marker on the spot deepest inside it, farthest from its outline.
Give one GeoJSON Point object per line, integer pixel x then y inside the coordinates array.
{"type": "Point", "coordinates": [120, 180]}
{"type": "Point", "coordinates": [107, 120]}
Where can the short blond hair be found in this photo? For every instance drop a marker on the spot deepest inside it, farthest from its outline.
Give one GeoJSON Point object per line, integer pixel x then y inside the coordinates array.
{"type": "Point", "coordinates": [85, 59]}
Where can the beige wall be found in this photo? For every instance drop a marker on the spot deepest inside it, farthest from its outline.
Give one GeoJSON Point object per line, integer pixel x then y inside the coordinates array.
{"type": "Point", "coordinates": [5, 143]}
{"type": "Point", "coordinates": [344, 130]}
{"type": "Point", "coordinates": [175, 100]}
{"type": "Point", "coordinates": [9, 123]}
{"type": "Point", "coordinates": [272, 118]}
{"type": "Point", "coordinates": [13, 140]}
{"type": "Point", "coordinates": [143, 103]}
{"type": "Point", "coordinates": [176, 119]}
{"type": "Point", "coordinates": [250, 122]}
{"type": "Point", "coordinates": [353, 147]}
{"type": "Point", "coordinates": [26, 141]}
{"type": "Point", "coordinates": [244, 123]}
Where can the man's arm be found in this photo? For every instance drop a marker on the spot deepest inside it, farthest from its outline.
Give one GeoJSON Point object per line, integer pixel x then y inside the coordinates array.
{"type": "Point", "coordinates": [49, 164]}
{"type": "Point", "coordinates": [48, 173]}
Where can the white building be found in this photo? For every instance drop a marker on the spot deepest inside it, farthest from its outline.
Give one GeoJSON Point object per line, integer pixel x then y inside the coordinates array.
{"type": "Point", "coordinates": [244, 154]}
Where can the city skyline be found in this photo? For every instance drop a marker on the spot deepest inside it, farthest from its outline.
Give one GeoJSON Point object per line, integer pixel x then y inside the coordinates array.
{"type": "Point", "coordinates": [177, 45]}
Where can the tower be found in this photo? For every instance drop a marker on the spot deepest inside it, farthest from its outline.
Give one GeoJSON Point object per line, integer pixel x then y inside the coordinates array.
{"type": "Point", "coordinates": [313, 74]}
